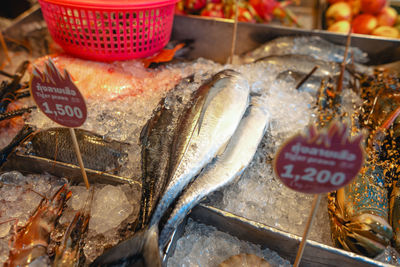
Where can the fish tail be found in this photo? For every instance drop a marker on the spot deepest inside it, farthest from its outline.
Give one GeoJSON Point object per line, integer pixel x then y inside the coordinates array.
{"type": "Point", "coordinates": [140, 250]}
{"type": "Point", "coordinates": [150, 251]}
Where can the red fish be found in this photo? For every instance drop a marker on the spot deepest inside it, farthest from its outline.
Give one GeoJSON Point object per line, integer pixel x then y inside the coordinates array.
{"type": "Point", "coordinates": [110, 81]}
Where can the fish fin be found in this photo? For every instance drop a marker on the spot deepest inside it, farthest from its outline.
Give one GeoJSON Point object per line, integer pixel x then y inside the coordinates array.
{"type": "Point", "coordinates": [210, 96]}
{"type": "Point", "coordinates": [222, 149]}
{"type": "Point", "coordinates": [199, 121]}
{"type": "Point", "coordinates": [140, 250]}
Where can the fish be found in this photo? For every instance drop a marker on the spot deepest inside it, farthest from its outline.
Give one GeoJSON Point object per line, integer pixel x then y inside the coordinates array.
{"type": "Point", "coordinates": [203, 130]}
{"type": "Point", "coordinates": [156, 139]}
{"type": "Point", "coordinates": [225, 169]}
{"type": "Point", "coordinates": [311, 85]}
{"type": "Point", "coordinates": [303, 63]}
{"type": "Point", "coordinates": [315, 46]}
{"type": "Point", "coordinates": [97, 152]}
{"type": "Point", "coordinates": [115, 80]}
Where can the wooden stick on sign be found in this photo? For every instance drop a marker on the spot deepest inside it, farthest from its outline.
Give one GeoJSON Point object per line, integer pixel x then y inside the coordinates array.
{"type": "Point", "coordinates": [79, 156]}
{"type": "Point", "coordinates": [310, 220]}
{"type": "Point", "coordinates": [343, 64]}
{"type": "Point", "coordinates": [234, 34]}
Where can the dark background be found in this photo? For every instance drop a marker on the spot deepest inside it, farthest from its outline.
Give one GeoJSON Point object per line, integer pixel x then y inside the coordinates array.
{"type": "Point", "coordinates": [14, 8]}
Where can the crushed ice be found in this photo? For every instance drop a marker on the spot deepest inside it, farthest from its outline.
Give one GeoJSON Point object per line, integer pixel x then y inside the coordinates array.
{"type": "Point", "coordinates": [113, 209]}
{"type": "Point", "coordinates": [258, 195]}
{"type": "Point", "coordinates": [203, 245]}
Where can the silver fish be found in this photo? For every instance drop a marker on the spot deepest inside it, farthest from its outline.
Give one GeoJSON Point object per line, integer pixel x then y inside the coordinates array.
{"type": "Point", "coordinates": [156, 139]}
{"type": "Point", "coordinates": [303, 63]}
{"type": "Point", "coordinates": [98, 153]}
{"type": "Point", "coordinates": [311, 85]}
{"type": "Point", "coordinates": [204, 128]}
{"type": "Point", "coordinates": [304, 45]}
{"type": "Point", "coordinates": [225, 169]}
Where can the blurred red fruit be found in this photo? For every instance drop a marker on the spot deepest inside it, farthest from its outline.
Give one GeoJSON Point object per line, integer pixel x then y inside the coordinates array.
{"type": "Point", "coordinates": [364, 23]}
{"type": "Point", "coordinates": [342, 26]}
{"type": "Point", "coordinates": [215, 10]}
{"type": "Point", "coordinates": [387, 17]}
{"type": "Point", "coordinates": [372, 6]}
{"type": "Point", "coordinates": [194, 5]}
{"type": "Point", "coordinates": [264, 8]}
{"type": "Point", "coordinates": [338, 11]}
{"type": "Point", "coordinates": [355, 6]}
{"type": "Point", "coordinates": [179, 8]}
{"type": "Point", "coordinates": [386, 31]}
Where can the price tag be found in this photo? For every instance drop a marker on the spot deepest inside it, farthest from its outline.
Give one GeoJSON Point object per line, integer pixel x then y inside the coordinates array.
{"type": "Point", "coordinates": [57, 96]}
{"type": "Point", "coordinates": [320, 162]}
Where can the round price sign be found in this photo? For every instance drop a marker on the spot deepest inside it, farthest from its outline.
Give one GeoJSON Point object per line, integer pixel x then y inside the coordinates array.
{"type": "Point", "coordinates": [319, 162]}
{"type": "Point", "coordinates": [57, 96]}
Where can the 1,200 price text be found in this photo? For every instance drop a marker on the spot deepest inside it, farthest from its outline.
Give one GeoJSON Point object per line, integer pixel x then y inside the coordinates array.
{"type": "Point", "coordinates": [311, 174]}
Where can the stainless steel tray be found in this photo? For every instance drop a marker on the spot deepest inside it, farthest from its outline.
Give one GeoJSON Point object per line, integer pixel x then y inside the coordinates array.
{"type": "Point", "coordinates": [34, 164]}
{"type": "Point", "coordinates": [285, 244]}
{"type": "Point", "coordinates": [212, 40]}
{"type": "Point", "coordinates": [213, 37]}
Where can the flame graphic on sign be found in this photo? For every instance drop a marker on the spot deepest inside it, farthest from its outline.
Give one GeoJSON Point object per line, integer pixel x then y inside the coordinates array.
{"type": "Point", "coordinates": [320, 160]}
{"type": "Point", "coordinates": [57, 95]}
{"type": "Point", "coordinates": [52, 75]}
{"type": "Point", "coordinates": [337, 134]}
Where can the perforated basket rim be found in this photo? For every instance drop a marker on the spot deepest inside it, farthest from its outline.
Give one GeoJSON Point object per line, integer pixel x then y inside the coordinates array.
{"type": "Point", "coordinates": [120, 5]}
{"type": "Point", "coordinates": [133, 48]}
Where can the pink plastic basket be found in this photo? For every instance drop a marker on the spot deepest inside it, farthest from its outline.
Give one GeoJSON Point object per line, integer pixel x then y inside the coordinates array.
{"type": "Point", "coordinates": [109, 30]}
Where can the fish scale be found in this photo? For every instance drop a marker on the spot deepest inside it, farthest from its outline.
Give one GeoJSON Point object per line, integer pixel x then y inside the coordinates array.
{"type": "Point", "coordinates": [156, 139]}
{"type": "Point", "coordinates": [97, 152]}
{"type": "Point", "coordinates": [222, 109]}
{"type": "Point", "coordinates": [198, 139]}
{"type": "Point", "coordinates": [225, 169]}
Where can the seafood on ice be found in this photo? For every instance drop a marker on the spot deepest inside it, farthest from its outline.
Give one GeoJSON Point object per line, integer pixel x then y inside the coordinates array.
{"type": "Point", "coordinates": [156, 139]}
{"type": "Point", "coordinates": [364, 214]}
{"type": "Point", "coordinates": [190, 133]}
{"type": "Point", "coordinates": [97, 152]}
{"type": "Point", "coordinates": [314, 46]}
{"type": "Point", "coordinates": [225, 169]}
{"type": "Point", "coordinates": [110, 81]}
{"type": "Point", "coordinates": [87, 222]}
{"type": "Point", "coordinates": [204, 127]}
{"type": "Point", "coordinates": [29, 244]}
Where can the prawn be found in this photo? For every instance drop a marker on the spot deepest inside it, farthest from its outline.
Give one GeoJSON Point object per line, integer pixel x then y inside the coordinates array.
{"type": "Point", "coordinates": [29, 244]}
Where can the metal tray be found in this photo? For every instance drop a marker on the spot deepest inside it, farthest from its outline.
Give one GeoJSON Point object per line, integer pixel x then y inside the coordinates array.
{"type": "Point", "coordinates": [213, 37]}
{"type": "Point", "coordinates": [212, 40]}
{"type": "Point", "coordinates": [285, 244]}
{"type": "Point", "coordinates": [34, 164]}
